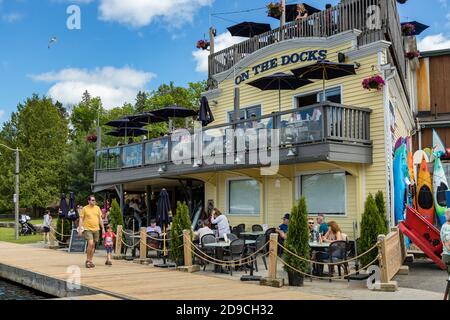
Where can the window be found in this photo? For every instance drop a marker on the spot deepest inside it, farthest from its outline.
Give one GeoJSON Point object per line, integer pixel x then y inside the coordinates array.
{"type": "Point", "coordinates": [314, 187]}
{"type": "Point", "coordinates": [245, 114]}
{"type": "Point", "coordinates": [244, 197]}
{"type": "Point", "coordinates": [332, 95]}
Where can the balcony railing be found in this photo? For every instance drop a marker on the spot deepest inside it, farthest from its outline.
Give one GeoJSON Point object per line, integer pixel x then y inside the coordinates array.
{"type": "Point", "coordinates": [347, 15]}
{"type": "Point", "coordinates": [323, 122]}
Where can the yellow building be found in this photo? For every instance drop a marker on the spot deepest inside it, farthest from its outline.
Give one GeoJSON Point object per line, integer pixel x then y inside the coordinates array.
{"type": "Point", "coordinates": [334, 151]}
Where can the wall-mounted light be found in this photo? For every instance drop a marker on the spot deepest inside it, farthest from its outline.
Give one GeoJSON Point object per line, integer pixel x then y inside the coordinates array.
{"type": "Point", "coordinates": [162, 168]}
{"type": "Point", "coordinates": [197, 164]}
{"type": "Point", "coordinates": [357, 65]}
{"type": "Point", "coordinates": [292, 153]}
{"type": "Point", "coordinates": [215, 102]}
{"type": "Point", "coordinates": [341, 57]}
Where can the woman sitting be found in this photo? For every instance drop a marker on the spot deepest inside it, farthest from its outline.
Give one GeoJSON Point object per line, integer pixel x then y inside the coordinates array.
{"type": "Point", "coordinates": [334, 233]}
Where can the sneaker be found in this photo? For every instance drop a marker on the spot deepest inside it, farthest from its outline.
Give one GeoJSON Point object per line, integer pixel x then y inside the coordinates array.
{"type": "Point", "coordinates": [109, 263]}
{"type": "Point", "coordinates": [106, 263]}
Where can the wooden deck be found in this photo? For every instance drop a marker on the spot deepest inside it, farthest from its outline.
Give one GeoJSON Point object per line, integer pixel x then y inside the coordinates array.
{"type": "Point", "coordinates": [128, 280]}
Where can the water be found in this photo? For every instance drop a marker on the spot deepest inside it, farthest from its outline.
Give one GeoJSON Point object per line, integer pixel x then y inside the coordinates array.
{"type": "Point", "coordinates": [12, 291]}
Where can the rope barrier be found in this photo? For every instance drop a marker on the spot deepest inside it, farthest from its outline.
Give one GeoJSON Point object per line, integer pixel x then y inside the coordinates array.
{"type": "Point", "coordinates": [167, 250]}
{"type": "Point", "coordinates": [327, 263]}
{"type": "Point", "coordinates": [130, 233]}
{"type": "Point", "coordinates": [327, 278]}
{"type": "Point", "coordinates": [60, 234]}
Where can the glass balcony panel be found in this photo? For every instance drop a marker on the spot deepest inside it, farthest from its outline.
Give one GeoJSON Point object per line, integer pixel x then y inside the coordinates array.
{"type": "Point", "coordinates": [132, 156]}
{"type": "Point", "coordinates": [302, 126]}
{"type": "Point", "coordinates": [157, 151]}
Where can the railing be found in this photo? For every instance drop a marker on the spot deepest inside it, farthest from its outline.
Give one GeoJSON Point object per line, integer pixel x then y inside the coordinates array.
{"type": "Point", "coordinates": [323, 122]}
{"type": "Point", "coordinates": [347, 15]}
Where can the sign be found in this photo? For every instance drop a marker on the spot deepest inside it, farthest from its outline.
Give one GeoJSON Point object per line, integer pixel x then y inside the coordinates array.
{"type": "Point", "coordinates": [313, 55]}
{"type": "Point", "coordinates": [77, 243]}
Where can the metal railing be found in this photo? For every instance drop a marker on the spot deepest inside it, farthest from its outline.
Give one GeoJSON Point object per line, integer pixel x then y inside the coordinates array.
{"type": "Point", "coordinates": [377, 19]}
{"type": "Point", "coordinates": [322, 122]}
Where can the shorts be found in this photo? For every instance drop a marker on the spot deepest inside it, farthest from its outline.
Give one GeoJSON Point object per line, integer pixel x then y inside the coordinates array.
{"type": "Point", "coordinates": [445, 260]}
{"type": "Point", "coordinates": [109, 249]}
{"type": "Point", "coordinates": [91, 235]}
{"type": "Point", "coordinates": [46, 229]}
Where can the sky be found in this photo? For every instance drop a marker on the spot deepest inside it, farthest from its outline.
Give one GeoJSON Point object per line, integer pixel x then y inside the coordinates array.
{"type": "Point", "coordinates": [123, 46]}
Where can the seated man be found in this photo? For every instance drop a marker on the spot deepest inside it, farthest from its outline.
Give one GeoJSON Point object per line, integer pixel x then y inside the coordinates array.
{"type": "Point", "coordinates": [282, 232]}
{"type": "Point", "coordinates": [153, 227]}
{"type": "Point", "coordinates": [203, 230]}
{"type": "Point", "coordinates": [314, 235]}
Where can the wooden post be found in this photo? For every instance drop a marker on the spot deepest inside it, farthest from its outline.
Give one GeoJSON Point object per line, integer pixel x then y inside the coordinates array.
{"type": "Point", "coordinates": [212, 37]}
{"type": "Point", "coordinates": [188, 267]}
{"type": "Point", "coordinates": [282, 19]}
{"type": "Point", "coordinates": [271, 279]}
{"type": "Point", "coordinates": [52, 238]}
{"type": "Point", "coordinates": [143, 248]}
{"type": "Point", "coordinates": [118, 252]}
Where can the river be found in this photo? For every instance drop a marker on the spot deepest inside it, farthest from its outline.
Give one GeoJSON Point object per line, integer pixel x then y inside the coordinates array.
{"type": "Point", "coordinates": [12, 291]}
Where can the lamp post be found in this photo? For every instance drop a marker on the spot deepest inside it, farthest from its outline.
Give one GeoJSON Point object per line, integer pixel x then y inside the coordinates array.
{"type": "Point", "coordinates": [16, 195]}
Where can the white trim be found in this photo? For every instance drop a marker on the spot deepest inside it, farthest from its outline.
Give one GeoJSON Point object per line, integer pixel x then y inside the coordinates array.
{"type": "Point", "coordinates": [298, 190]}
{"type": "Point", "coordinates": [368, 49]}
{"type": "Point", "coordinates": [227, 192]}
{"type": "Point", "coordinates": [212, 94]}
{"type": "Point", "coordinates": [333, 41]}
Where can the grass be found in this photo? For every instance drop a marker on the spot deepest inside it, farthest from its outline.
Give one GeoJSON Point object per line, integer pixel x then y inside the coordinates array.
{"type": "Point", "coordinates": [33, 222]}
{"type": "Point", "coordinates": [7, 235]}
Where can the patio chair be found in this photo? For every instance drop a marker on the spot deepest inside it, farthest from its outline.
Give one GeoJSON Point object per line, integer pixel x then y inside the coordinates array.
{"type": "Point", "coordinates": [133, 244]}
{"type": "Point", "coordinates": [257, 227]}
{"type": "Point", "coordinates": [232, 236]}
{"type": "Point", "coordinates": [337, 252]}
{"type": "Point", "coordinates": [260, 242]}
{"type": "Point", "coordinates": [207, 238]}
{"type": "Point", "coordinates": [154, 243]}
{"type": "Point", "coordinates": [236, 252]}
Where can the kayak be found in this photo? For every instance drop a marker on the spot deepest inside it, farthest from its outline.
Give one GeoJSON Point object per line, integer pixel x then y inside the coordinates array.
{"type": "Point", "coordinates": [400, 187]}
{"type": "Point", "coordinates": [425, 203]}
{"type": "Point", "coordinates": [440, 186]}
{"type": "Point", "coordinates": [412, 178]}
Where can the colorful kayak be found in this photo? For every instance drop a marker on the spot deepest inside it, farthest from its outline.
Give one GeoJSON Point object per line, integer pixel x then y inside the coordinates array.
{"type": "Point", "coordinates": [412, 178]}
{"type": "Point", "coordinates": [418, 157]}
{"type": "Point", "coordinates": [398, 143]}
{"type": "Point", "coordinates": [400, 187]}
{"type": "Point", "coordinates": [438, 147]}
{"type": "Point", "coordinates": [440, 186]}
{"type": "Point", "coordinates": [425, 203]}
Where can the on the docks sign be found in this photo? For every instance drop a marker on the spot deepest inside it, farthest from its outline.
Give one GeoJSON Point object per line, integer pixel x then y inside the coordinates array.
{"type": "Point", "coordinates": [313, 55]}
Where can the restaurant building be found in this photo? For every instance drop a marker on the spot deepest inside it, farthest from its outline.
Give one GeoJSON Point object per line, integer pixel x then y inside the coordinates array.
{"type": "Point", "coordinates": [334, 151]}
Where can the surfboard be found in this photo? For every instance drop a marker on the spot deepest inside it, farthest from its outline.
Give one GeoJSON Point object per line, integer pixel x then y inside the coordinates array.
{"type": "Point", "coordinates": [440, 186]}
{"type": "Point", "coordinates": [425, 203]}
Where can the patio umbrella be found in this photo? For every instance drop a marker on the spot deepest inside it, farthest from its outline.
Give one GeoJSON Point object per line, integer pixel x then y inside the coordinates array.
{"type": "Point", "coordinates": [324, 70]}
{"type": "Point", "coordinates": [128, 132]}
{"type": "Point", "coordinates": [71, 201]}
{"type": "Point", "coordinates": [291, 11]}
{"type": "Point", "coordinates": [249, 29]}
{"type": "Point", "coordinates": [125, 123]}
{"type": "Point", "coordinates": [163, 208]}
{"type": "Point", "coordinates": [173, 111]}
{"type": "Point", "coordinates": [279, 81]}
{"type": "Point", "coordinates": [146, 117]}
{"type": "Point", "coordinates": [205, 115]}
{"type": "Point", "coordinates": [419, 27]}
{"type": "Point", "coordinates": [63, 206]}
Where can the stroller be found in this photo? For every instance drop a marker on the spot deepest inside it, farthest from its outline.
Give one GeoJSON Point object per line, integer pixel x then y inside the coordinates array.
{"type": "Point", "coordinates": [26, 228]}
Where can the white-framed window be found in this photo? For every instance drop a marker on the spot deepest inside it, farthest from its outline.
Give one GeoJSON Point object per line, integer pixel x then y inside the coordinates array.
{"type": "Point", "coordinates": [243, 197]}
{"type": "Point", "coordinates": [332, 95]}
{"type": "Point", "coordinates": [246, 113]}
{"type": "Point", "coordinates": [324, 193]}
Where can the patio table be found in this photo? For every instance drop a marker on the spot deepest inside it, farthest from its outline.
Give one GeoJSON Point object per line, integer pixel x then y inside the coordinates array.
{"type": "Point", "coordinates": [219, 246]}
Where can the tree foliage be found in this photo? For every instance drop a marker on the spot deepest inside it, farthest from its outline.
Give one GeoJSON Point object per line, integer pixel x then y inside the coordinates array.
{"type": "Point", "coordinates": [115, 215]}
{"type": "Point", "coordinates": [298, 238]}
{"type": "Point", "coordinates": [181, 221]}
{"type": "Point", "coordinates": [381, 205]}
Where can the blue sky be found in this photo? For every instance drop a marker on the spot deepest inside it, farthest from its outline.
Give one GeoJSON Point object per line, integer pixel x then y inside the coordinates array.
{"type": "Point", "coordinates": [125, 46]}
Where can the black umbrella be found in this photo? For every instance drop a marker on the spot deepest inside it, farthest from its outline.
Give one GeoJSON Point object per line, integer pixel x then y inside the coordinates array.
{"type": "Point", "coordinates": [163, 209]}
{"type": "Point", "coordinates": [71, 201]}
{"type": "Point", "coordinates": [146, 117]}
{"type": "Point", "coordinates": [325, 70]}
{"type": "Point", "coordinates": [419, 27]}
{"type": "Point", "coordinates": [128, 132]}
{"type": "Point", "coordinates": [279, 81]}
{"type": "Point", "coordinates": [291, 11]}
{"type": "Point", "coordinates": [173, 112]}
{"type": "Point", "coordinates": [205, 114]}
{"type": "Point", "coordinates": [125, 123]}
{"type": "Point", "coordinates": [249, 29]}
{"type": "Point", "coordinates": [63, 206]}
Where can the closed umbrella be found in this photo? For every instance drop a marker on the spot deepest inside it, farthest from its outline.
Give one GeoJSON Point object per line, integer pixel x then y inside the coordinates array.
{"type": "Point", "coordinates": [71, 201]}
{"type": "Point", "coordinates": [279, 81]}
{"type": "Point", "coordinates": [163, 210]}
{"type": "Point", "coordinates": [205, 113]}
{"type": "Point", "coordinates": [63, 206]}
{"type": "Point", "coordinates": [249, 29]}
{"type": "Point", "coordinates": [324, 70]}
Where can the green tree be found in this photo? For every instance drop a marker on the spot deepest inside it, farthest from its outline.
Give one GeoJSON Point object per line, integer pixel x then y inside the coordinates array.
{"type": "Point", "coordinates": [381, 205]}
{"type": "Point", "coordinates": [141, 100]}
{"type": "Point", "coordinates": [181, 221]}
{"type": "Point", "coordinates": [115, 215]}
{"type": "Point", "coordinates": [371, 227]}
{"type": "Point", "coordinates": [298, 238]}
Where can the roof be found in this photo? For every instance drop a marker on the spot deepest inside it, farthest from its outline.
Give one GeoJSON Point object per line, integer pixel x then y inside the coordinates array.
{"type": "Point", "coordinates": [435, 53]}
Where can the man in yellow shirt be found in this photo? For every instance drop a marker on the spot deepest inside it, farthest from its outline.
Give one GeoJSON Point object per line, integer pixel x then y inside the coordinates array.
{"type": "Point", "coordinates": [90, 222]}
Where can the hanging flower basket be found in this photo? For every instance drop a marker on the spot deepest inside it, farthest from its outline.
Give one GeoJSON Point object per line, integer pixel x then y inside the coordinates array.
{"type": "Point", "coordinates": [91, 138]}
{"type": "Point", "coordinates": [274, 10]}
{"type": "Point", "coordinates": [373, 83]}
{"type": "Point", "coordinates": [412, 55]}
{"type": "Point", "coordinates": [408, 29]}
{"type": "Point", "coordinates": [203, 44]}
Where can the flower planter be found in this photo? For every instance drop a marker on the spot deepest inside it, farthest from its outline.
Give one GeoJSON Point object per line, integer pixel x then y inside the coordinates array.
{"type": "Point", "coordinates": [203, 44]}
{"type": "Point", "coordinates": [274, 10]}
{"type": "Point", "coordinates": [373, 83]}
{"type": "Point", "coordinates": [295, 279]}
{"type": "Point", "coordinates": [408, 29]}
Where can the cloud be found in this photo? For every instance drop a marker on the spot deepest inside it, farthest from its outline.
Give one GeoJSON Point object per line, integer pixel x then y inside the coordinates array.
{"type": "Point", "coordinates": [2, 113]}
{"type": "Point", "coordinates": [12, 17]}
{"type": "Point", "coordinates": [114, 86]}
{"type": "Point", "coordinates": [222, 42]}
{"type": "Point", "coordinates": [434, 42]}
{"type": "Point", "coordinates": [140, 13]}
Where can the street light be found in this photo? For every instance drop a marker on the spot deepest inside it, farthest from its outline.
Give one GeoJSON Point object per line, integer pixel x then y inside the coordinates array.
{"type": "Point", "coordinates": [16, 195]}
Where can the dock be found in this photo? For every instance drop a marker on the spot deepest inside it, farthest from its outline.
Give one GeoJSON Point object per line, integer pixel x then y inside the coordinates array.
{"type": "Point", "coordinates": [48, 271]}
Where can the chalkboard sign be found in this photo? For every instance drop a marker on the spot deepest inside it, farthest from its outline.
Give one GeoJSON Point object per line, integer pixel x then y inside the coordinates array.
{"type": "Point", "coordinates": [77, 243]}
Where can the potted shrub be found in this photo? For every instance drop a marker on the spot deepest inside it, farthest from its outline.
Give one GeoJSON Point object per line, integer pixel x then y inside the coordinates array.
{"type": "Point", "coordinates": [115, 215]}
{"type": "Point", "coordinates": [297, 242]}
{"type": "Point", "coordinates": [412, 54]}
{"type": "Point", "coordinates": [408, 29]}
{"type": "Point", "coordinates": [372, 225]}
{"type": "Point", "coordinates": [274, 10]}
{"type": "Point", "coordinates": [381, 206]}
{"type": "Point", "coordinates": [373, 83]}
{"type": "Point", "coordinates": [181, 222]}
{"type": "Point", "coordinates": [64, 230]}
{"type": "Point", "coordinates": [203, 44]}
{"type": "Point", "coordinates": [91, 138]}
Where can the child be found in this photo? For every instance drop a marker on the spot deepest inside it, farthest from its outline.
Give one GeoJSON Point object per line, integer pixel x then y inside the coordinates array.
{"type": "Point", "coordinates": [108, 238]}
{"type": "Point", "coordinates": [46, 226]}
